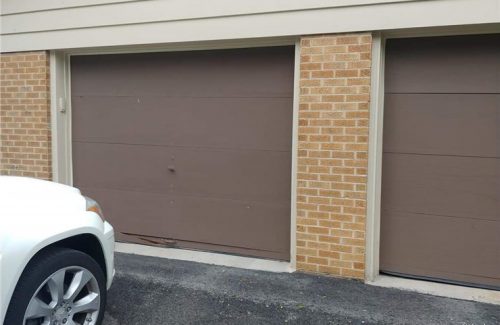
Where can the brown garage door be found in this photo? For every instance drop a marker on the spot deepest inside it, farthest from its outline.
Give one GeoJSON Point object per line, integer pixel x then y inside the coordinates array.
{"type": "Point", "coordinates": [188, 149]}
{"type": "Point", "coordinates": [441, 162]}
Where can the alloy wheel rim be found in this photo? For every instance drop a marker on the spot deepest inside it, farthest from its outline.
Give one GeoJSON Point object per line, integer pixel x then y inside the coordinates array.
{"type": "Point", "coordinates": [70, 296]}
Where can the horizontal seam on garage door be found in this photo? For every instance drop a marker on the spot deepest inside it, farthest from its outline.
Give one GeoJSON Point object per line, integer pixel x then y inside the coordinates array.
{"type": "Point", "coordinates": [270, 202]}
{"type": "Point", "coordinates": [438, 93]}
{"type": "Point", "coordinates": [166, 96]}
{"type": "Point", "coordinates": [439, 215]}
{"type": "Point", "coordinates": [178, 146]}
{"type": "Point", "coordinates": [439, 155]}
{"type": "Point", "coordinates": [447, 272]}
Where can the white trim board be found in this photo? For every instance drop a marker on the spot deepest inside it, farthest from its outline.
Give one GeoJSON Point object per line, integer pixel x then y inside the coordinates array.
{"type": "Point", "coordinates": [60, 119]}
{"type": "Point", "coordinates": [295, 157]}
{"type": "Point", "coordinates": [438, 289]}
{"type": "Point", "coordinates": [248, 263]}
{"type": "Point", "coordinates": [375, 158]}
{"type": "Point", "coordinates": [141, 12]}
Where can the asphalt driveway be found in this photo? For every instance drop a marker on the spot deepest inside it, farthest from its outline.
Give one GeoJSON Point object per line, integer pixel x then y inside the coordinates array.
{"type": "Point", "coordinates": [160, 291]}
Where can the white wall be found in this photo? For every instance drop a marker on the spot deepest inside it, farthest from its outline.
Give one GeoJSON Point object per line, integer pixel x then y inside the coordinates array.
{"type": "Point", "coordinates": [64, 24]}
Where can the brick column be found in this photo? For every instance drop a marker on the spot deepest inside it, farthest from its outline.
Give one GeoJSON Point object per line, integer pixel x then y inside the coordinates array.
{"type": "Point", "coordinates": [333, 153]}
{"type": "Point", "coordinates": [25, 143]}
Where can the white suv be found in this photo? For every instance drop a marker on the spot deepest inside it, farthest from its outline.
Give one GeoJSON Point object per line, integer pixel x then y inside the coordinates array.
{"type": "Point", "coordinates": [56, 254]}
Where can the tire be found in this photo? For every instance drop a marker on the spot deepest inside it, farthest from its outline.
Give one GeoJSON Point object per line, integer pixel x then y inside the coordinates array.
{"type": "Point", "coordinates": [40, 282]}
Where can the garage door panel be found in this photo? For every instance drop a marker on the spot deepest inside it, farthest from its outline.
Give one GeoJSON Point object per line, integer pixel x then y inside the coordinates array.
{"type": "Point", "coordinates": [450, 186]}
{"type": "Point", "coordinates": [231, 174]}
{"type": "Point", "coordinates": [109, 166]}
{"type": "Point", "coordinates": [415, 244]}
{"type": "Point", "coordinates": [444, 124]}
{"type": "Point", "coordinates": [205, 221]}
{"type": "Point", "coordinates": [129, 211]}
{"type": "Point", "coordinates": [232, 223]}
{"type": "Point", "coordinates": [455, 64]}
{"type": "Point", "coordinates": [268, 72]}
{"type": "Point", "coordinates": [256, 175]}
{"type": "Point", "coordinates": [254, 123]}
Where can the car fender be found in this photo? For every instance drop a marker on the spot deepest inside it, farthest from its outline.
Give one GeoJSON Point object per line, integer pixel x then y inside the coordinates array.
{"type": "Point", "coordinates": [25, 241]}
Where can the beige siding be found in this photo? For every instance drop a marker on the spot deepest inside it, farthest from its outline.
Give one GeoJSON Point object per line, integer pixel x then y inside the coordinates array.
{"type": "Point", "coordinates": [20, 6]}
{"type": "Point", "coordinates": [56, 24]}
{"type": "Point", "coordinates": [140, 12]}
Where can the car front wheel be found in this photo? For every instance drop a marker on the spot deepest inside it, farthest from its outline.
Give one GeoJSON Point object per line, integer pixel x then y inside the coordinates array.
{"type": "Point", "coordinates": [59, 287]}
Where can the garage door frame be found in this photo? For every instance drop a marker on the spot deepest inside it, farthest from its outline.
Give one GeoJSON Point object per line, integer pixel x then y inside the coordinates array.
{"type": "Point", "coordinates": [60, 81]}
{"type": "Point", "coordinates": [374, 188]}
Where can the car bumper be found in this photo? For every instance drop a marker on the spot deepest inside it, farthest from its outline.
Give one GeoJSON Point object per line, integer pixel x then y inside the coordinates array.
{"type": "Point", "coordinates": [109, 252]}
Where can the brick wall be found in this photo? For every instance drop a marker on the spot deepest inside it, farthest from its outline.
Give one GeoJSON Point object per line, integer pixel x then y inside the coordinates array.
{"type": "Point", "coordinates": [333, 153]}
{"type": "Point", "coordinates": [25, 144]}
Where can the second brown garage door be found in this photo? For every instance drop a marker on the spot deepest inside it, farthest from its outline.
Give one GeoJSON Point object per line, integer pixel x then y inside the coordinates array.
{"type": "Point", "coordinates": [441, 162]}
{"type": "Point", "coordinates": [188, 149]}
